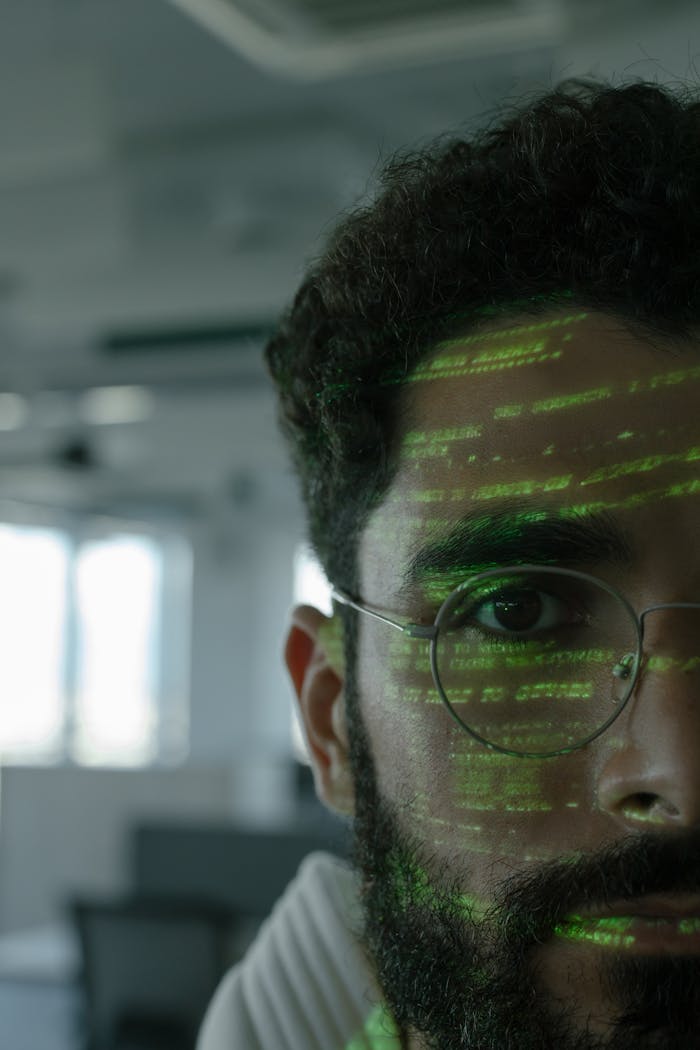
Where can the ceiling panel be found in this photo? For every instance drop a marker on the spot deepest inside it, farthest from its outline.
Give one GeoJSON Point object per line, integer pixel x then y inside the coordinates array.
{"type": "Point", "coordinates": [155, 176]}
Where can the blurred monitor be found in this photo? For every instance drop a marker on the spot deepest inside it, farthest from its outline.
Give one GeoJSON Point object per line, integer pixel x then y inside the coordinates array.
{"type": "Point", "coordinates": [149, 971]}
{"type": "Point", "coordinates": [243, 870]}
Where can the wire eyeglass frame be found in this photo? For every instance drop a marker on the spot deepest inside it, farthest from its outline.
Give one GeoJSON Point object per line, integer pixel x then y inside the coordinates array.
{"type": "Point", "coordinates": [629, 664]}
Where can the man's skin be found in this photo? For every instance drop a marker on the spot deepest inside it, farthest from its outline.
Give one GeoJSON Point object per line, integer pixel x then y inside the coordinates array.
{"type": "Point", "coordinates": [632, 444]}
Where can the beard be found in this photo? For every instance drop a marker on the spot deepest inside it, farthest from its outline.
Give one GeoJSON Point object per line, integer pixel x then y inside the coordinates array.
{"type": "Point", "coordinates": [462, 983]}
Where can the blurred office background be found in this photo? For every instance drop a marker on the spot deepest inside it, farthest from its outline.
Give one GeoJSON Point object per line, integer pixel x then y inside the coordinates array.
{"type": "Point", "coordinates": [167, 167]}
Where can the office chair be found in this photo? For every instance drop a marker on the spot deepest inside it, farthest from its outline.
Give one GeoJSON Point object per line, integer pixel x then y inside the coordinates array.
{"type": "Point", "coordinates": [150, 968]}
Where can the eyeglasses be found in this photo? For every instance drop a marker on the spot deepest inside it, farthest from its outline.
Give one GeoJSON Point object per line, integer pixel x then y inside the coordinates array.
{"type": "Point", "coordinates": [531, 660]}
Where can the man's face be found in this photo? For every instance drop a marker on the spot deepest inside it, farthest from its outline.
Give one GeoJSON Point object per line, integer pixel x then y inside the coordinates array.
{"type": "Point", "coordinates": [459, 843]}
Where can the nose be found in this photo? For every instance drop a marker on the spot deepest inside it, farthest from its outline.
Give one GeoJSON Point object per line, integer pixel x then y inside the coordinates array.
{"type": "Point", "coordinates": [651, 777]}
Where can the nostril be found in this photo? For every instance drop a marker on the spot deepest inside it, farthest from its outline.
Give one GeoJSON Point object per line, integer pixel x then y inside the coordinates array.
{"type": "Point", "coordinates": [640, 805]}
{"type": "Point", "coordinates": [650, 807]}
{"type": "Point", "coordinates": [644, 800]}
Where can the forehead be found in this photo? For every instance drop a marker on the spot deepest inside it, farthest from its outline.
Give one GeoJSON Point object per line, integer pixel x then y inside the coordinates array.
{"type": "Point", "coordinates": [568, 411]}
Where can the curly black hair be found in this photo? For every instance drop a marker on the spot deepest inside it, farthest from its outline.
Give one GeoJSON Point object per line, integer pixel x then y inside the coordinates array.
{"type": "Point", "coordinates": [588, 194]}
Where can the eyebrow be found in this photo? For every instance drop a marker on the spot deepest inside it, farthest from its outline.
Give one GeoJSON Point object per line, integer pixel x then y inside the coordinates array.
{"type": "Point", "coordinates": [518, 533]}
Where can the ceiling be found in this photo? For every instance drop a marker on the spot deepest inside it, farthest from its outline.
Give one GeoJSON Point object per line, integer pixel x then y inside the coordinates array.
{"type": "Point", "coordinates": [166, 173]}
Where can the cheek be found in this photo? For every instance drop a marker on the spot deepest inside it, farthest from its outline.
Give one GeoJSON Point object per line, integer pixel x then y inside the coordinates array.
{"type": "Point", "coordinates": [451, 792]}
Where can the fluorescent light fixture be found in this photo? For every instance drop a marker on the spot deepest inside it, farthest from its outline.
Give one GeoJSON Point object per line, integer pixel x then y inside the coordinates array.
{"type": "Point", "coordinates": [13, 411]}
{"type": "Point", "coordinates": [292, 37]}
{"type": "Point", "coordinates": [115, 404]}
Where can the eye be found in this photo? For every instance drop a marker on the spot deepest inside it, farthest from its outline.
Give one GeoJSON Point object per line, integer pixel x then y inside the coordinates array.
{"type": "Point", "coordinates": [522, 610]}
{"type": "Point", "coordinates": [515, 609]}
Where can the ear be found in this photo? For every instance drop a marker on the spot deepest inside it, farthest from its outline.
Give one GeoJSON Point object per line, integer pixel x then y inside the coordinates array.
{"type": "Point", "coordinates": [313, 657]}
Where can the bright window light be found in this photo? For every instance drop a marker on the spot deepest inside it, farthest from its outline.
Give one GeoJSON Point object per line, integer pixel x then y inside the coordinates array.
{"type": "Point", "coordinates": [311, 587]}
{"type": "Point", "coordinates": [117, 590]}
{"type": "Point", "coordinates": [95, 628]}
{"type": "Point", "coordinates": [33, 569]}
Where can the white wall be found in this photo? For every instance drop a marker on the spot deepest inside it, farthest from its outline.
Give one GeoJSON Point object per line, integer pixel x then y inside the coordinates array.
{"type": "Point", "coordinates": [240, 695]}
{"type": "Point", "coordinates": [65, 830]}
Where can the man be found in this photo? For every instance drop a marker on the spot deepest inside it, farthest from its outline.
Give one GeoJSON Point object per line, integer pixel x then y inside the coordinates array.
{"type": "Point", "coordinates": [490, 384]}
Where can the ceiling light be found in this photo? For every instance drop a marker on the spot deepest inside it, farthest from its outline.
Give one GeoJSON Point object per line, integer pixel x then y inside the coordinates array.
{"type": "Point", "coordinates": [115, 404]}
{"type": "Point", "coordinates": [13, 411]}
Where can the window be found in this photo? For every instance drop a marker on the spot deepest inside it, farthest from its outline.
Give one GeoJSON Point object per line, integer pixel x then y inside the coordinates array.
{"type": "Point", "coordinates": [34, 574]}
{"type": "Point", "coordinates": [95, 619]}
{"type": "Point", "coordinates": [311, 586]}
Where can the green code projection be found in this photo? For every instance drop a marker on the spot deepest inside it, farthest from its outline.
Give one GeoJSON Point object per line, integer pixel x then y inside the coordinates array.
{"type": "Point", "coordinates": [537, 463]}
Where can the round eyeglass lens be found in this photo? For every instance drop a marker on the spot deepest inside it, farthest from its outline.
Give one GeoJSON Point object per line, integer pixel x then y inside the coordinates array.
{"type": "Point", "coordinates": [535, 661]}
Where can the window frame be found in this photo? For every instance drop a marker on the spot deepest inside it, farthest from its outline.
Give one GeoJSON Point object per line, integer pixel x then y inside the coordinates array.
{"type": "Point", "coordinates": [171, 694]}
